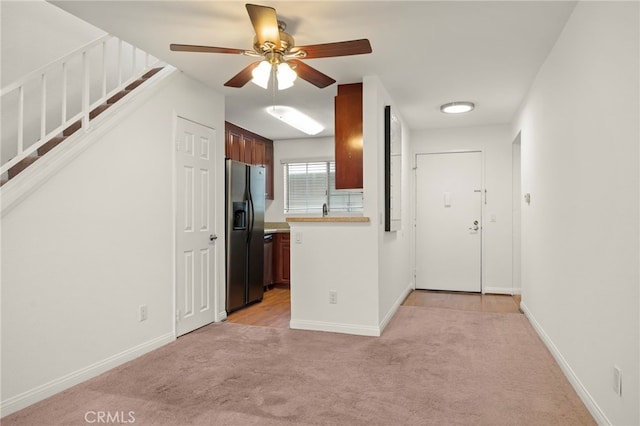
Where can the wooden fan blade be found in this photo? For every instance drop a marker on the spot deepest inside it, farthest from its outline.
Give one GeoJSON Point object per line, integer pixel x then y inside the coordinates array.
{"type": "Point", "coordinates": [310, 74]}
{"type": "Point", "coordinates": [204, 49]}
{"type": "Point", "coordinates": [243, 77]}
{"type": "Point", "coordinates": [265, 23]}
{"type": "Point", "coordinates": [341, 48]}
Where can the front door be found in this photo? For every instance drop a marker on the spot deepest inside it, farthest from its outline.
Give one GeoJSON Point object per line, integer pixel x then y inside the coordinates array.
{"type": "Point", "coordinates": [449, 221]}
{"type": "Point", "coordinates": [195, 227]}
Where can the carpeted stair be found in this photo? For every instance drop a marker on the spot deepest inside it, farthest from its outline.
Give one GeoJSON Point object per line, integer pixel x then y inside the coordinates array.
{"type": "Point", "coordinates": [57, 140]}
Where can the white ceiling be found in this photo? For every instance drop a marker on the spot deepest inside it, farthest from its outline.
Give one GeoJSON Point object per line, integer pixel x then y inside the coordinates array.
{"type": "Point", "coordinates": [426, 53]}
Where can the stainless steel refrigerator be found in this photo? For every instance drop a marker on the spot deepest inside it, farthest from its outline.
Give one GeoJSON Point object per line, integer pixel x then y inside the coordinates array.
{"type": "Point", "coordinates": [245, 201]}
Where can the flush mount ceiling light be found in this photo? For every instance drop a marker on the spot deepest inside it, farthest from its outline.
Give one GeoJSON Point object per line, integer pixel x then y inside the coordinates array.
{"type": "Point", "coordinates": [296, 119]}
{"type": "Point", "coordinates": [457, 107]}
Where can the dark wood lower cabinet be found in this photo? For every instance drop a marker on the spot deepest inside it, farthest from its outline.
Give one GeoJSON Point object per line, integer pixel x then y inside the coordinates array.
{"type": "Point", "coordinates": [281, 258]}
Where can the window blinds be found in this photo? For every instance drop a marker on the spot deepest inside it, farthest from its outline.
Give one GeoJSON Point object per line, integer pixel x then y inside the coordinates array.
{"type": "Point", "coordinates": [307, 186]}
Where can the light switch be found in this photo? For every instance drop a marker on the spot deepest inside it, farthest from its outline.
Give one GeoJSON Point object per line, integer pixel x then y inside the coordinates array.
{"type": "Point", "coordinates": [447, 199]}
{"type": "Point", "coordinates": [493, 218]}
{"type": "Point", "coordinates": [298, 237]}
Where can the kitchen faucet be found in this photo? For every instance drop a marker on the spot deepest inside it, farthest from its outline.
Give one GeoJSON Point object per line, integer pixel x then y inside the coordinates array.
{"type": "Point", "coordinates": [325, 210]}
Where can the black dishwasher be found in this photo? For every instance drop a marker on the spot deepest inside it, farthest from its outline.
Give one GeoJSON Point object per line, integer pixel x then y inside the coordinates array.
{"type": "Point", "coordinates": [268, 260]}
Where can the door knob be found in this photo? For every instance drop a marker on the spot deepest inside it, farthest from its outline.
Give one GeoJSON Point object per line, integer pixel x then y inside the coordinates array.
{"type": "Point", "coordinates": [213, 237]}
{"type": "Point", "coordinates": [475, 226]}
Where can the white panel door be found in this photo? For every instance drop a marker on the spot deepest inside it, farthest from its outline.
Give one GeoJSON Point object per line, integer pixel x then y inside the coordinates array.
{"type": "Point", "coordinates": [195, 217]}
{"type": "Point", "coordinates": [448, 221]}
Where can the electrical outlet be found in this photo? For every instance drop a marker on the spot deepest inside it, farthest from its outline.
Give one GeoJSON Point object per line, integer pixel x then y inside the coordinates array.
{"type": "Point", "coordinates": [143, 313]}
{"type": "Point", "coordinates": [617, 380]}
{"type": "Point", "coordinates": [333, 297]}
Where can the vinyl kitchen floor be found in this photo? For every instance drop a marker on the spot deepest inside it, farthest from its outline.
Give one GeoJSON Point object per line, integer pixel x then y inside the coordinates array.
{"type": "Point", "coordinates": [275, 308]}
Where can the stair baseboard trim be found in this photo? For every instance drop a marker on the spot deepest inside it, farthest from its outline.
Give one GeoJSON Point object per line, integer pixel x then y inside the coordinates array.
{"type": "Point", "coordinates": [60, 384]}
{"type": "Point", "coordinates": [357, 329]}
{"type": "Point", "coordinates": [593, 407]}
{"type": "Point", "coordinates": [30, 179]}
{"type": "Point", "coordinates": [396, 305]}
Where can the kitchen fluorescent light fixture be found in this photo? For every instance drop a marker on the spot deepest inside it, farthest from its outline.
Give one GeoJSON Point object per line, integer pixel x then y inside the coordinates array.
{"type": "Point", "coordinates": [457, 107]}
{"type": "Point", "coordinates": [296, 119]}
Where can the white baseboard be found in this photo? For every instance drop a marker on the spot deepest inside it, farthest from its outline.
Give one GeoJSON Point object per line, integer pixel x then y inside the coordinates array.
{"type": "Point", "coordinates": [55, 386]}
{"type": "Point", "coordinates": [501, 290]}
{"type": "Point", "coordinates": [395, 306]}
{"type": "Point", "coordinates": [360, 330]}
{"type": "Point", "coordinates": [332, 327]}
{"type": "Point", "coordinates": [582, 392]}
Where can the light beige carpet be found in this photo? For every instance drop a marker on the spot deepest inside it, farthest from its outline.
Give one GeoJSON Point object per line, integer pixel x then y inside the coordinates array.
{"type": "Point", "coordinates": [431, 367]}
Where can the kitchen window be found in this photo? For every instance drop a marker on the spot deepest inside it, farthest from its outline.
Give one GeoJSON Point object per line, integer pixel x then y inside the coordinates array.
{"type": "Point", "coordinates": [307, 186]}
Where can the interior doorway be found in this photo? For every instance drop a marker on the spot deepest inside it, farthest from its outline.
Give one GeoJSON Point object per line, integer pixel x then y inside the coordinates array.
{"type": "Point", "coordinates": [516, 211]}
{"type": "Point", "coordinates": [449, 221]}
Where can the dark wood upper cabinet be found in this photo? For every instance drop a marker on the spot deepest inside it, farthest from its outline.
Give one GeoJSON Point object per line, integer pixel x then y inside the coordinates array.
{"type": "Point", "coordinates": [268, 163]}
{"type": "Point", "coordinates": [248, 147]}
{"type": "Point", "coordinates": [233, 144]}
{"type": "Point", "coordinates": [348, 136]}
{"type": "Point", "coordinates": [258, 152]}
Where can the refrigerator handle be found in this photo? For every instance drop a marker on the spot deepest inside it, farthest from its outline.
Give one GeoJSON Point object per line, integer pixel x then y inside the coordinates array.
{"type": "Point", "coordinates": [252, 215]}
{"type": "Point", "coordinates": [252, 212]}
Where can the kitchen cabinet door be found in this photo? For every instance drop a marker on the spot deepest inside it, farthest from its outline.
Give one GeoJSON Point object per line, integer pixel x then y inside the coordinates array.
{"type": "Point", "coordinates": [233, 144]}
{"type": "Point", "coordinates": [247, 149]}
{"type": "Point", "coordinates": [348, 136]}
{"type": "Point", "coordinates": [268, 164]}
{"type": "Point", "coordinates": [258, 152]}
{"type": "Point", "coordinates": [282, 259]}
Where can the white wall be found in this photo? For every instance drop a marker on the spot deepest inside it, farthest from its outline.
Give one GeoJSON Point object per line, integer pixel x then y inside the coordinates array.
{"type": "Point", "coordinates": [35, 33]}
{"type": "Point", "coordinates": [394, 257]}
{"type": "Point", "coordinates": [94, 242]}
{"type": "Point", "coordinates": [495, 143]}
{"type": "Point", "coordinates": [334, 257]}
{"type": "Point", "coordinates": [341, 256]}
{"type": "Point", "coordinates": [580, 243]}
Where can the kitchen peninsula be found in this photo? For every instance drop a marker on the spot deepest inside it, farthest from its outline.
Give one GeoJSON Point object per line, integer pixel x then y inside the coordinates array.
{"type": "Point", "coordinates": [328, 266]}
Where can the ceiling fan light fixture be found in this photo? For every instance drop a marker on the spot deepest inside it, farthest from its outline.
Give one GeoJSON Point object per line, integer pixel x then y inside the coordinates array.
{"type": "Point", "coordinates": [295, 119]}
{"type": "Point", "coordinates": [261, 74]}
{"type": "Point", "coordinates": [286, 76]}
{"type": "Point", "coordinates": [457, 107]}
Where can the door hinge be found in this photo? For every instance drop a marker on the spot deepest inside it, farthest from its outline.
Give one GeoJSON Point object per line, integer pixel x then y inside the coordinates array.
{"type": "Point", "coordinates": [177, 315]}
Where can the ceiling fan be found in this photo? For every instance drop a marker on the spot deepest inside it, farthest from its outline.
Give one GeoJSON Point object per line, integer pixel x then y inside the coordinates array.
{"type": "Point", "coordinates": [279, 54]}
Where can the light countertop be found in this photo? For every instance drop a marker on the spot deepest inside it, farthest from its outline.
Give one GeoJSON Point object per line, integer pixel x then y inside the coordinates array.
{"type": "Point", "coordinates": [276, 230]}
{"type": "Point", "coordinates": [329, 219]}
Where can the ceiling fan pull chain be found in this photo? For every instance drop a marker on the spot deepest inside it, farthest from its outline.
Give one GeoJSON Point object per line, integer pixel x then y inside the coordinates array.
{"type": "Point", "coordinates": [273, 86]}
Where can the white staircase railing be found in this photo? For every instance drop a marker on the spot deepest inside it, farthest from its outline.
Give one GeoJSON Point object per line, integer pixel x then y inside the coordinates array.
{"type": "Point", "coordinates": [45, 102]}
